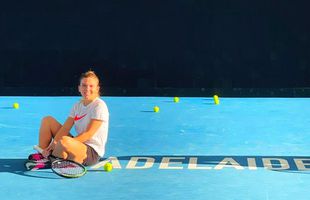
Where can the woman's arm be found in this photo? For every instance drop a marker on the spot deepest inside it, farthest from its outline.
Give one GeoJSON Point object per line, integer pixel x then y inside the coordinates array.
{"type": "Point", "coordinates": [93, 126]}
{"type": "Point", "coordinates": [65, 129]}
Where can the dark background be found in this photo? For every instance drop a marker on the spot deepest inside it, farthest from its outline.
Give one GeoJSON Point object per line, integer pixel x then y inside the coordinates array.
{"type": "Point", "coordinates": [156, 47]}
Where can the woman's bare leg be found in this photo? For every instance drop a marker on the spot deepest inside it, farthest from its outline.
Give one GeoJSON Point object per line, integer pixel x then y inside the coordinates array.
{"type": "Point", "coordinates": [48, 129]}
{"type": "Point", "coordinates": [71, 149]}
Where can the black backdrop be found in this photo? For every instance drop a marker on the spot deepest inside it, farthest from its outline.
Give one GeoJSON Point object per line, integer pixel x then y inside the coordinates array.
{"type": "Point", "coordinates": [141, 47]}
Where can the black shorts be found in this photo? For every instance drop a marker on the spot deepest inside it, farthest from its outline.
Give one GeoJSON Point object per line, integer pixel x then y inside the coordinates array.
{"type": "Point", "coordinates": [92, 156]}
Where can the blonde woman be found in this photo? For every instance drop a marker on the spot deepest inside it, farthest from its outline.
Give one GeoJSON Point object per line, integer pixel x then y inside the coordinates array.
{"type": "Point", "coordinates": [90, 116]}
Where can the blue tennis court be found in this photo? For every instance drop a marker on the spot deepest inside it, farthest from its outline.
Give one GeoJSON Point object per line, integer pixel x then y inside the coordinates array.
{"type": "Point", "coordinates": [243, 148]}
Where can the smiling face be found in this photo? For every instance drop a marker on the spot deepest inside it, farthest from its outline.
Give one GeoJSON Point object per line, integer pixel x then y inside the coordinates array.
{"type": "Point", "coordinates": [89, 88]}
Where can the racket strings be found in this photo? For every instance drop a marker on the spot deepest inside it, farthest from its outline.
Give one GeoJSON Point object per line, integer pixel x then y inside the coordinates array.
{"type": "Point", "coordinates": [65, 167]}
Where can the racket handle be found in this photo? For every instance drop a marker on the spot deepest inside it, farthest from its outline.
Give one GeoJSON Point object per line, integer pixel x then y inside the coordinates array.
{"type": "Point", "coordinates": [36, 147]}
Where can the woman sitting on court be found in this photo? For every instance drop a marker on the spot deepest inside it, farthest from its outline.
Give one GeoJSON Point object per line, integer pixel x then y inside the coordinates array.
{"type": "Point", "coordinates": [90, 116]}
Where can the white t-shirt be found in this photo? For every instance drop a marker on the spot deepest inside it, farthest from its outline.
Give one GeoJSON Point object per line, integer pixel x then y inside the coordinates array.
{"type": "Point", "coordinates": [82, 115]}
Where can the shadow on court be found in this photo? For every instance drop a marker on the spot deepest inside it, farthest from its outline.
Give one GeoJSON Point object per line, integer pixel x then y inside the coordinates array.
{"type": "Point", "coordinates": [16, 166]}
{"type": "Point", "coordinates": [288, 164]}
{"type": "Point", "coordinates": [7, 108]}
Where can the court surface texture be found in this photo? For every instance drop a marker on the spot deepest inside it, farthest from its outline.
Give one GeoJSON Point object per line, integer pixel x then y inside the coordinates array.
{"type": "Point", "coordinates": [243, 148]}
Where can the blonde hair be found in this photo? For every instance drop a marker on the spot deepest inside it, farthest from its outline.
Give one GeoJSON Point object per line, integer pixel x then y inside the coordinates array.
{"type": "Point", "coordinates": [90, 74]}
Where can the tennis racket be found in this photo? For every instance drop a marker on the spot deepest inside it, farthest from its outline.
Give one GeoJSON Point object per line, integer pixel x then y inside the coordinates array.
{"type": "Point", "coordinates": [65, 168]}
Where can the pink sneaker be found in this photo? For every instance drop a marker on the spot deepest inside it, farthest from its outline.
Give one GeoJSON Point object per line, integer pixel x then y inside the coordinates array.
{"type": "Point", "coordinates": [37, 157]}
{"type": "Point", "coordinates": [33, 165]}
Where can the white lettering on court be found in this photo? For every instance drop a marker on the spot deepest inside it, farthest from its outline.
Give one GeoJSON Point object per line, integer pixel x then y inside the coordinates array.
{"type": "Point", "coordinates": [252, 164]}
{"type": "Point", "coordinates": [132, 164]}
{"type": "Point", "coordinates": [301, 165]}
{"type": "Point", "coordinates": [166, 161]}
{"type": "Point", "coordinates": [228, 162]}
{"type": "Point", "coordinates": [193, 164]}
{"type": "Point", "coordinates": [143, 162]}
{"type": "Point", "coordinates": [282, 164]}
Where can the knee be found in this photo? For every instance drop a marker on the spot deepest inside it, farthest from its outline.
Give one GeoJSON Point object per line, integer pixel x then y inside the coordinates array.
{"type": "Point", "coordinates": [65, 142]}
{"type": "Point", "coordinates": [47, 119]}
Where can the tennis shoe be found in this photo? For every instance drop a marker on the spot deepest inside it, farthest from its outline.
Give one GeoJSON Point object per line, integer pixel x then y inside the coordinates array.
{"type": "Point", "coordinates": [35, 156]}
{"type": "Point", "coordinates": [33, 165]}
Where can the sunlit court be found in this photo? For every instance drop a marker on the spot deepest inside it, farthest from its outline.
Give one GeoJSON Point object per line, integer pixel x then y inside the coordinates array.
{"type": "Point", "coordinates": [244, 148]}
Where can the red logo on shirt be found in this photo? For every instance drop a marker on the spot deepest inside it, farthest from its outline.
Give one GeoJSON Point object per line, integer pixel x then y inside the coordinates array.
{"type": "Point", "coordinates": [76, 118]}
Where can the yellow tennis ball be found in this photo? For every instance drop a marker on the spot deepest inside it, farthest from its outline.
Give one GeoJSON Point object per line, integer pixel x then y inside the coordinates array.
{"type": "Point", "coordinates": [108, 167]}
{"type": "Point", "coordinates": [156, 109]}
{"type": "Point", "coordinates": [15, 105]}
{"type": "Point", "coordinates": [176, 99]}
{"type": "Point", "coordinates": [216, 99]}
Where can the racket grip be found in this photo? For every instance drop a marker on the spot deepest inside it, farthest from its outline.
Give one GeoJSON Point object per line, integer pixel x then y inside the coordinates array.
{"type": "Point", "coordinates": [39, 149]}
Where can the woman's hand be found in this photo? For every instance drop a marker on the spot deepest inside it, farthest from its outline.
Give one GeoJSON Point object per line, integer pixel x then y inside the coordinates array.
{"type": "Point", "coordinates": [47, 151]}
